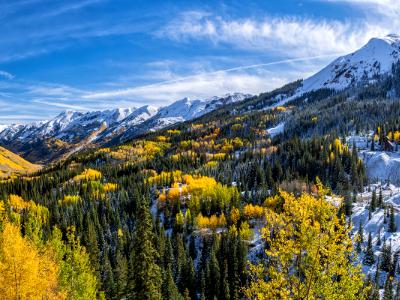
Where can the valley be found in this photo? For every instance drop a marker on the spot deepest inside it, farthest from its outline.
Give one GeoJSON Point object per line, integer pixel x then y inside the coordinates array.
{"type": "Point", "coordinates": [289, 194]}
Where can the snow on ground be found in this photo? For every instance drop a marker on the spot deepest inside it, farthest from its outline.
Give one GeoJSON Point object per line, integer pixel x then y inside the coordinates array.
{"type": "Point", "coordinates": [376, 225]}
{"type": "Point", "coordinates": [361, 142]}
{"type": "Point", "coordinates": [382, 165]}
{"type": "Point", "coordinates": [278, 129]}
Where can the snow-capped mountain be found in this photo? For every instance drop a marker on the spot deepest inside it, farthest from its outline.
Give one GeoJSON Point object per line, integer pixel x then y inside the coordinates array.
{"type": "Point", "coordinates": [72, 128]}
{"type": "Point", "coordinates": [375, 58]}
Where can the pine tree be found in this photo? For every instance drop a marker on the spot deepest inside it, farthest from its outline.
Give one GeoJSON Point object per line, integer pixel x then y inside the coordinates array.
{"type": "Point", "coordinates": [225, 292]}
{"type": "Point", "coordinates": [169, 288]}
{"type": "Point", "coordinates": [379, 242]}
{"type": "Point", "coordinates": [386, 257]}
{"type": "Point", "coordinates": [348, 204]}
{"type": "Point", "coordinates": [380, 199]}
{"type": "Point", "coordinates": [120, 274]}
{"type": "Point", "coordinates": [369, 258]}
{"type": "Point", "coordinates": [145, 281]}
{"type": "Point", "coordinates": [388, 292]}
{"type": "Point", "coordinates": [360, 238]}
{"type": "Point", "coordinates": [377, 275]}
{"type": "Point", "coordinates": [107, 277]}
{"type": "Point", "coordinates": [397, 296]}
{"type": "Point", "coordinates": [213, 276]}
{"type": "Point", "coordinates": [392, 221]}
{"type": "Point", "coordinates": [373, 291]}
{"type": "Point", "coordinates": [372, 205]}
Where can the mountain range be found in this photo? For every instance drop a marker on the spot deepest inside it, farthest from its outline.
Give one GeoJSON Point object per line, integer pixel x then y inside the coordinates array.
{"type": "Point", "coordinates": [71, 131]}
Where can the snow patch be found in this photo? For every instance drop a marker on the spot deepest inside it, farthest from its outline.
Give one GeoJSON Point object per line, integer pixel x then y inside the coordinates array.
{"type": "Point", "coordinates": [278, 129]}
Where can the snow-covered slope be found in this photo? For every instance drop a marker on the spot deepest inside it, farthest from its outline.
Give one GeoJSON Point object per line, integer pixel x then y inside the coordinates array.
{"type": "Point", "coordinates": [69, 128]}
{"type": "Point", "coordinates": [381, 165]}
{"type": "Point", "coordinates": [377, 224]}
{"type": "Point", "coordinates": [375, 58]}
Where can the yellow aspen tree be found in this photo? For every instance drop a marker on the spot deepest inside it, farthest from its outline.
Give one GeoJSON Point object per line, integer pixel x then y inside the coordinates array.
{"type": "Point", "coordinates": [309, 253]}
{"type": "Point", "coordinates": [26, 273]}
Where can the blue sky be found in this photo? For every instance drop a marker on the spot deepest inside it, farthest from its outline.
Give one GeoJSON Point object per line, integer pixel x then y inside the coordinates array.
{"type": "Point", "coordinates": [98, 54]}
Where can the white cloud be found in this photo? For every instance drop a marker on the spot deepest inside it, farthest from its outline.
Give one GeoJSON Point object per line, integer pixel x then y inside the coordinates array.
{"type": "Point", "coordinates": [384, 13]}
{"type": "Point", "coordinates": [62, 105]}
{"type": "Point", "coordinates": [288, 36]}
{"type": "Point", "coordinates": [6, 75]}
{"type": "Point", "coordinates": [252, 79]}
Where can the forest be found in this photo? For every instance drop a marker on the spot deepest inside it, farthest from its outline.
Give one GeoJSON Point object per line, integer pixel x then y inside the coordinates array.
{"type": "Point", "coordinates": [213, 208]}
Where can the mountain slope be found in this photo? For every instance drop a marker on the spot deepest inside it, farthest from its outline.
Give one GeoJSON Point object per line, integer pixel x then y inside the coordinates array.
{"type": "Point", "coordinates": [71, 131]}
{"type": "Point", "coordinates": [363, 65]}
{"type": "Point", "coordinates": [11, 163]}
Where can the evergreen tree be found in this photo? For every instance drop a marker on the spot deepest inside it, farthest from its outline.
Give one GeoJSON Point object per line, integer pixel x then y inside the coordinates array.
{"type": "Point", "coordinates": [145, 281]}
{"type": "Point", "coordinates": [369, 258]}
{"type": "Point", "coordinates": [388, 292]}
{"type": "Point", "coordinates": [397, 296]}
{"type": "Point", "coordinates": [373, 290]}
{"type": "Point", "coordinates": [120, 274]}
{"type": "Point", "coordinates": [386, 257]}
{"type": "Point", "coordinates": [360, 238]}
{"type": "Point", "coordinates": [348, 204]}
{"type": "Point", "coordinates": [380, 199]}
{"type": "Point", "coordinates": [372, 205]}
{"type": "Point", "coordinates": [392, 221]}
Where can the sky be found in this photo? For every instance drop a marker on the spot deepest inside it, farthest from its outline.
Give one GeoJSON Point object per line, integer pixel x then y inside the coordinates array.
{"type": "Point", "coordinates": [58, 55]}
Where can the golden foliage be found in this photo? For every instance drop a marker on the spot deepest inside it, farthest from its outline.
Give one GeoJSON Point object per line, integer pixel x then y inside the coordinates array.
{"type": "Point", "coordinates": [26, 273]}
{"type": "Point", "coordinates": [236, 127]}
{"type": "Point", "coordinates": [88, 174]}
{"type": "Point", "coordinates": [212, 222]}
{"type": "Point", "coordinates": [173, 131]}
{"type": "Point", "coordinates": [281, 108]}
{"type": "Point", "coordinates": [309, 252]}
{"type": "Point", "coordinates": [110, 187]}
{"type": "Point", "coordinates": [70, 199]}
{"type": "Point", "coordinates": [251, 211]}
{"type": "Point", "coordinates": [11, 164]}
{"type": "Point", "coordinates": [17, 203]}
{"type": "Point", "coordinates": [211, 164]}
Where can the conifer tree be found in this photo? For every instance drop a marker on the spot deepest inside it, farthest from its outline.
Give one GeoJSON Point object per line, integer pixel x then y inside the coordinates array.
{"type": "Point", "coordinates": [380, 199]}
{"type": "Point", "coordinates": [369, 258]}
{"type": "Point", "coordinates": [397, 295]}
{"type": "Point", "coordinates": [360, 238]}
{"type": "Point", "coordinates": [388, 292]}
{"type": "Point", "coordinates": [392, 221]}
{"type": "Point", "coordinates": [386, 257]}
{"type": "Point", "coordinates": [372, 205]}
{"type": "Point", "coordinates": [120, 274]}
{"type": "Point", "coordinates": [145, 274]}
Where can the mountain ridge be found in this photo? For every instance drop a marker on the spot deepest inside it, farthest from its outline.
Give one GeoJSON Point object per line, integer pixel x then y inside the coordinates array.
{"type": "Point", "coordinates": [65, 132]}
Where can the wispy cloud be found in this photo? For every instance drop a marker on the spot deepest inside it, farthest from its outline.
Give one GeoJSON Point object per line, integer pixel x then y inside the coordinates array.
{"type": "Point", "coordinates": [247, 78]}
{"type": "Point", "coordinates": [6, 75]}
{"type": "Point", "coordinates": [288, 36]}
{"type": "Point", "coordinates": [62, 105]}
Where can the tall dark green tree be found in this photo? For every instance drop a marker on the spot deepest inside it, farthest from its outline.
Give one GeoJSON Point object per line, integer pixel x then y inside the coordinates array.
{"type": "Point", "coordinates": [145, 274]}
{"type": "Point", "coordinates": [372, 205]}
{"type": "Point", "coordinates": [369, 258]}
{"type": "Point", "coordinates": [392, 220]}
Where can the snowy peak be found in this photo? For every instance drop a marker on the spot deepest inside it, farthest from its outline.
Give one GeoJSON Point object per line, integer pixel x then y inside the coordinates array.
{"type": "Point", "coordinates": [363, 65]}
{"type": "Point", "coordinates": [70, 128]}
{"type": "Point", "coordinates": [187, 108]}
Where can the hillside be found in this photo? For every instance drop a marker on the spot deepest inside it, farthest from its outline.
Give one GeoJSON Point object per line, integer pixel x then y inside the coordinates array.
{"type": "Point", "coordinates": [53, 139]}
{"type": "Point", "coordinates": [12, 164]}
{"type": "Point", "coordinates": [214, 196]}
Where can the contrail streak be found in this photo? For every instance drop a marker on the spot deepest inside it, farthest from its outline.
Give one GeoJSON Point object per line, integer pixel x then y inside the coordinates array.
{"type": "Point", "coordinates": [179, 79]}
